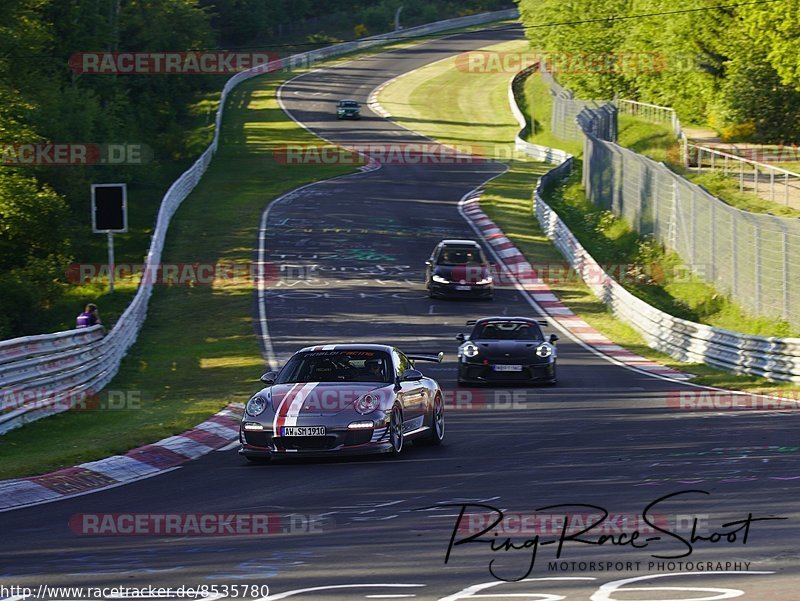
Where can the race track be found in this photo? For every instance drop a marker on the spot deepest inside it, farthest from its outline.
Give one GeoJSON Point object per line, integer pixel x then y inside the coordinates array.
{"type": "Point", "coordinates": [606, 436]}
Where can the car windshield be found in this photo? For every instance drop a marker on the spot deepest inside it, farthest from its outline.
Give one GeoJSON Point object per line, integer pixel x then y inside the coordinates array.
{"type": "Point", "coordinates": [507, 330]}
{"type": "Point", "coordinates": [348, 103]}
{"type": "Point", "coordinates": [460, 256]}
{"type": "Point", "coordinates": [337, 366]}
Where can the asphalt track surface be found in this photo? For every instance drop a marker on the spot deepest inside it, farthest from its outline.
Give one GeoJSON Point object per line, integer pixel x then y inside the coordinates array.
{"type": "Point", "coordinates": [605, 436]}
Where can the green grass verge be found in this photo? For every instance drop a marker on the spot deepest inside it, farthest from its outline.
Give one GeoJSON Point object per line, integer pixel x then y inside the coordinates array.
{"type": "Point", "coordinates": [414, 101]}
{"type": "Point", "coordinates": [537, 104]}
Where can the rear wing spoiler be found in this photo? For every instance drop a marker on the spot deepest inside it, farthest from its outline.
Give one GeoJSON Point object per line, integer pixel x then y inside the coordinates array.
{"type": "Point", "coordinates": [541, 322]}
{"type": "Point", "coordinates": [426, 357]}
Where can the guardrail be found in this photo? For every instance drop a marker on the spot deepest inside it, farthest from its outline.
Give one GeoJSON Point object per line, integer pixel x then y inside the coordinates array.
{"type": "Point", "coordinates": [47, 374]}
{"type": "Point", "coordinates": [770, 357]}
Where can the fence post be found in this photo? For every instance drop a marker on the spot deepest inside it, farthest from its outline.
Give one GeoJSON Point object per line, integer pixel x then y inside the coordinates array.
{"type": "Point", "coordinates": [741, 176]}
{"type": "Point", "coordinates": [786, 189]}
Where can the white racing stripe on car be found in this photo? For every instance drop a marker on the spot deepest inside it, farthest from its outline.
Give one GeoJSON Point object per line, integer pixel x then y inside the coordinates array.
{"type": "Point", "coordinates": [286, 398]}
{"type": "Point", "coordinates": [297, 403]}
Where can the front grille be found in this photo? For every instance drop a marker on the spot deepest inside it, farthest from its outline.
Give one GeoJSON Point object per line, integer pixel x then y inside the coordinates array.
{"type": "Point", "coordinates": [308, 443]}
{"type": "Point", "coordinates": [355, 437]}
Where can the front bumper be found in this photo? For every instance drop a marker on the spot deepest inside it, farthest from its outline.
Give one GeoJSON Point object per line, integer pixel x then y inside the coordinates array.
{"type": "Point", "coordinates": [480, 373]}
{"type": "Point", "coordinates": [338, 441]}
{"type": "Point", "coordinates": [450, 290]}
{"type": "Point", "coordinates": [348, 115]}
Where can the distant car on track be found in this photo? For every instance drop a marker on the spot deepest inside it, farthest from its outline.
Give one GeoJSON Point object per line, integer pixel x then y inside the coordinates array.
{"type": "Point", "coordinates": [506, 350]}
{"type": "Point", "coordinates": [343, 399]}
{"type": "Point", "coordinates": [458, 269]}
{"type": "Point", "coordinates": [348, 109]}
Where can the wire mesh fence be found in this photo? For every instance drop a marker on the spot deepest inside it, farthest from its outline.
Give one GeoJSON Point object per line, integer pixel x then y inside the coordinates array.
{"type": "Point", "coordinates": [753, 257]}
{"type": "Point", "coordinates": [651, 112]}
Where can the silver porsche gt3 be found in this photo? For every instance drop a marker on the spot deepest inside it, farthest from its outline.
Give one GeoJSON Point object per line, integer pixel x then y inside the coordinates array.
{"type": "Point", "coordinates": [343, 399]}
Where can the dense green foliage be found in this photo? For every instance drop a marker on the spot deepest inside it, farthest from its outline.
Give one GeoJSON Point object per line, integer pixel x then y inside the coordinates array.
{"type": "Point", "coordinates": [44, 210]}
{"type": "Point", "coordinates": [735, 68]}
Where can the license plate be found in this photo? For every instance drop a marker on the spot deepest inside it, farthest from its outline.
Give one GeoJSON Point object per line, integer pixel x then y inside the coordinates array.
{"type": "Point", "coordinates": [507, 367]}
{"type": "Point", "coordinates": [303, 431]}
{"type": "Point", "coordinates": [463, 287]}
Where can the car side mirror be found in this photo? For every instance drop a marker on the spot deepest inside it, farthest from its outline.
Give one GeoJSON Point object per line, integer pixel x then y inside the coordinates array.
{"type": "Point", "coordinates": [411, 375]}
{"type": "Point", "coordinates": [428, 263]}
{"type": "Point", "coordinates": [461, 337]}
{"type": "Point", "coordinates": [269, 377]}
{"type": "Point", "coordinates": [553, 338]}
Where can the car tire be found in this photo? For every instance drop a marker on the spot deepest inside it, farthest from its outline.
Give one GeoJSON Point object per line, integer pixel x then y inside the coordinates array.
{"type": "Point", "coordinates": [396, 430]}
{"type": "Point", "coordinates": [437, 423]}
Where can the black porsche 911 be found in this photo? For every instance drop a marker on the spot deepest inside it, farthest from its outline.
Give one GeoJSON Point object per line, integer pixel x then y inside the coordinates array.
{"type": "Point", "coordinates": [506, 350]}
{"type": "Point", "coordinates": [342, 399]}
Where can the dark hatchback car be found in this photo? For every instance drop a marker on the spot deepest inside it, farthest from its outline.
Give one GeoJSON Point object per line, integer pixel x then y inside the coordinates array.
{"type": "Point", "coordinates": [348, 109]}
{"type": "Point", "coordinates": [506, 349]}
{"type": "Point", "coordinates": [458, 269]}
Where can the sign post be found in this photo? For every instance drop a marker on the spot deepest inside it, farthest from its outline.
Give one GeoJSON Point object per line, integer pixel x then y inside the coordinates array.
{"type": "Point", "coordinates": [109, 215]}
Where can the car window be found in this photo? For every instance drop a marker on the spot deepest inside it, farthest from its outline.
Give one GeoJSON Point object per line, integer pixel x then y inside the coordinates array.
{"type": "Point", "coordinates": [455, 255]}
{"type": "Point", "coordinates": [402, 361]}
{"type": "Point", "coordinates": [337, 366]}
{"type": "Point", "coordinates": [507, 330]}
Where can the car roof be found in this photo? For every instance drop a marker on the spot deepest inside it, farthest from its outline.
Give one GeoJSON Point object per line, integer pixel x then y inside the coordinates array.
{"type": "Point", "coordinates": [347, 347]}
{"type": "Point", "coordinates": [483, 320]}
{"type": "Point", "coordinates": [455, 242]}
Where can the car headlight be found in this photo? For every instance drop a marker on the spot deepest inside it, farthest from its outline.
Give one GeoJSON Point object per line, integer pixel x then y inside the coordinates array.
{"type": "Point", "coordinates": [544, 350]}
{"type": "Point", "coordinates": [486, 280]}
{"type": "Point", "coordinates": [256, 406]}
{"type": "Point", "coordinates": [471, 350]}
{"type": "Point", "coordinates": [366, 404]}
{"type": "Point", "coordinates": [439, 279]}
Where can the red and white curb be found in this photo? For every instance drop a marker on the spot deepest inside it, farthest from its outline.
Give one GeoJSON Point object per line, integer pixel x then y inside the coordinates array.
{"type": "Point", "coordinates": [143, 462]}
{"type": "Point", "coordinates": [514, 263]}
